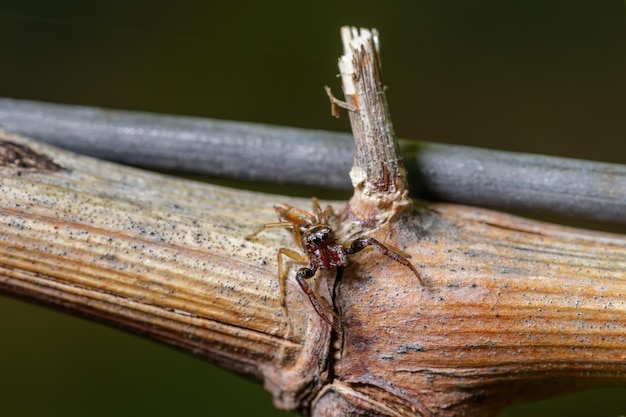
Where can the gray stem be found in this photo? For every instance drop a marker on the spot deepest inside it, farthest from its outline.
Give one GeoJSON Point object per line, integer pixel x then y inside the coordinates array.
{"type": "Point", "coordinates": [247, 151]}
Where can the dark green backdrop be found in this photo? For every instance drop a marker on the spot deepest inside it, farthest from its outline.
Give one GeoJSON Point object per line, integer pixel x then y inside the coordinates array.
{"type": "Point", "coordinates": [545, 77]}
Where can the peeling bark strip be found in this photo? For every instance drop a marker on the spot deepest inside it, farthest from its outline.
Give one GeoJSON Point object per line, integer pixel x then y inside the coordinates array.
{"type": "Point", "coordinates": [24, 158]}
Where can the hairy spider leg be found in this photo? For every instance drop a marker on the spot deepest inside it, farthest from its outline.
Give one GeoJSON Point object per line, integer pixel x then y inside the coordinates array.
{"type": "Point", "coordinates": [294, 228]}
{"type": "Point", "coordinates": [304, 274]}
{"type": "Point", "coordinates": [321, 216]}
{"type": "Point", "coordinates": [282, 271]}
{"type": "Point", "coordinates": [361, 243]}
{"type": "Point", "coordinates": [301, 277]}
{"type": "Point", "coordinates": [291, 214]}
{"type": "Point", "coordinates": [269, 226]}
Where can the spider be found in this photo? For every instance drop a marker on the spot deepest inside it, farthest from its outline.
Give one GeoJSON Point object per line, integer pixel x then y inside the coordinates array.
{"type": "Point", "coordinates": [321, 249]}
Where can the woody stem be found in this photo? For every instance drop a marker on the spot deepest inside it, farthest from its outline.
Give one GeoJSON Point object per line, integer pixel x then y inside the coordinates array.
{"type": "Point", "coordinates": [378, 167]}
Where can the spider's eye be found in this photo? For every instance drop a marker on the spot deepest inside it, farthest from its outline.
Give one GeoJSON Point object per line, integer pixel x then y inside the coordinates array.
{"type": "Point", "coordinates": [319, 236]}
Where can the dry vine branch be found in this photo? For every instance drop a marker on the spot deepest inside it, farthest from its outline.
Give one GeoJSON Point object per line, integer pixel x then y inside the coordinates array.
{"type": "Point", "coordinates": [158, 256]}
{"type": "Point", "coordinates": [511, 309]}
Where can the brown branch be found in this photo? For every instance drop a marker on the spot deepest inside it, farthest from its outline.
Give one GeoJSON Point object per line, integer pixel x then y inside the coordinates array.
{"type": "Point", "coordinates": [510, 309]}
{"type": "Point", "coordinates": [509, 306]}
{"type": "Point", "coordinates": [158, 256]}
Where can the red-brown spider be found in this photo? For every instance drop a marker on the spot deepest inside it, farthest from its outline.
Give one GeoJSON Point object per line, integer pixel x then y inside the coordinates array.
{"type": "Point", "coordinates": [321, 249]}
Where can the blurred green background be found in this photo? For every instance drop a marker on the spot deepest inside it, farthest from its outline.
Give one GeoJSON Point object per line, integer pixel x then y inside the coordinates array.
{"type": "Point", "coordinates": [542, 76]}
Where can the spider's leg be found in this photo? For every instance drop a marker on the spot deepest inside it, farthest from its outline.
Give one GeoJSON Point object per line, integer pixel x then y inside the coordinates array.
{"type": "Point", "coordinates": [338, 277]}
{"type": "Point", "coordinates": [270, 226]}
{"type": "Point", "coordinates": [302, 275]}
{"type": "Point", "coordinates": [282, 271]}
{"type": "Point", "coordinates": [363, 242]}
{"type": "Point", "coordinates": [322, 216]}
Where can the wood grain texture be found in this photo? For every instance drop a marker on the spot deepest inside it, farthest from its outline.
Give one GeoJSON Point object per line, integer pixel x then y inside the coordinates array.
{"type": "Point", "coordinates": [161, 257]}
{"type": "Point", "coordinates": [511, 309]}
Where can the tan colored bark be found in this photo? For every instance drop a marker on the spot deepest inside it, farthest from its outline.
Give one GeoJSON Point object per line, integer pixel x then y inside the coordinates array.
{"type": "Point", "coordinates": [159, 256]}
{"type": "Point", "coordinates": [511, 308]}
